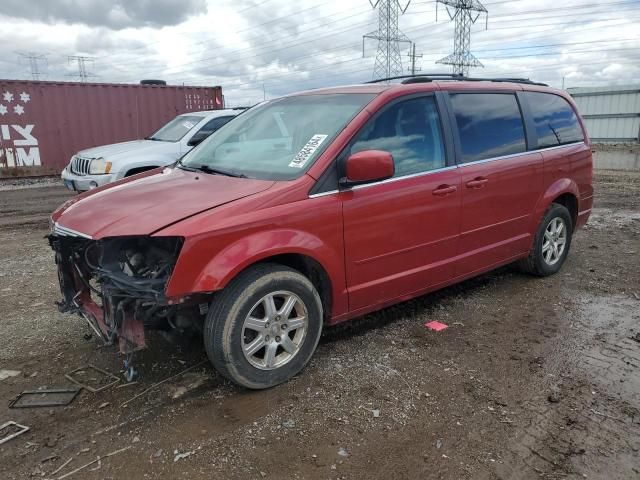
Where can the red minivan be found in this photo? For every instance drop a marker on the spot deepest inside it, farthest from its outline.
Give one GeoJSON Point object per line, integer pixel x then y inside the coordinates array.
{"type": "Point", "coordinates": [321, 206]}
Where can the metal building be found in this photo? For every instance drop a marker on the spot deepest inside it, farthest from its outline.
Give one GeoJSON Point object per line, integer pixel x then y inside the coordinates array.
{"type": "Point", "coordinates": [611, 114]}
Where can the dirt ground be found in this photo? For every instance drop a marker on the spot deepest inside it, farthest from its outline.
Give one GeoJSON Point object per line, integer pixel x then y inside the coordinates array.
{"type": "Point", "coordinates": [533, 379]}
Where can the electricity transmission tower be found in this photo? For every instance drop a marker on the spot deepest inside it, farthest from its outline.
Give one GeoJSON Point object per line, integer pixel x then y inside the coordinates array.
{"type": "Point", "coordinates": [81, 62]}
{"type": "Point", "coordinates": [34, 60]}
{"type": "Point", "coordinates": [388, 58]}
{"type": "Point", "coordinates": [412, 55]}
{"type": "Point", "coordinates": [465, 13]}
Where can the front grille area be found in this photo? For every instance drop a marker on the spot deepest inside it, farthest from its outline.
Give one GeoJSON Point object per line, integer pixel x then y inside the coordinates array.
{"type": "Point", "coordinates": [80, 165]}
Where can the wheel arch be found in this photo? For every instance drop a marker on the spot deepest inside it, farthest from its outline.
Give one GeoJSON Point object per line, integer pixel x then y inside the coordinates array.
{"type": "Point", "coordinates": [321, 264]}
{"type": "Point", "coordinates": [564, 191]}
{"type": "Point", "coordinates": [310, 268]}
{"type": "Point", "coordinates": [570, 202]}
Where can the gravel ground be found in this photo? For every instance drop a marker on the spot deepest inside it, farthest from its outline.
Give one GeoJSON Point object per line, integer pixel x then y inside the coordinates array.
{"type": "Point", "coordinates": [534, 378]}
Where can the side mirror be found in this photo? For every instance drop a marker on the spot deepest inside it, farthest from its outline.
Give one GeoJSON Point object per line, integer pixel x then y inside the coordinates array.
{"type": "Point", "coordinates": [197, 138]}
{"type": "Point", "coordinates": [368, 166]}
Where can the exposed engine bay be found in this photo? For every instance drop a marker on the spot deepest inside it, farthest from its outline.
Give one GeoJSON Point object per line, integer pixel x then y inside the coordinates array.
{"type": "Point", "coordinates": [117, 285]}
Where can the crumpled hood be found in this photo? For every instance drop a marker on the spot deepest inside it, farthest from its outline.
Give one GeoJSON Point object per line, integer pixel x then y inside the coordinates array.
{"type": "Point", "coordinates": [146, 205]}
{"type": "Point", "coordinates": [134, 147]}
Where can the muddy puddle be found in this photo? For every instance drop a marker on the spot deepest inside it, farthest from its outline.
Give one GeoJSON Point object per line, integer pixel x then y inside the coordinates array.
{"type": "Point", "coordinates": [612, 356]}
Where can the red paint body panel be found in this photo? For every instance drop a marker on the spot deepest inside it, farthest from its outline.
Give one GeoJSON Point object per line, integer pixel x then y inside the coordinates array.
{"type": "Point", "coordinates": [497, 209]}
{"type": "Point", "coordinates": [369, 165]}
{"type": "Point", "coordinates": [280, 220]}
{"type": "Point", "coordinates": [379, 243]}
{"type": "Point", "coordinates": [150, 202]}
{"type": "Point", "coordinates": [398, 234]}
{"type": "Point", "coordinates": [57, 119]}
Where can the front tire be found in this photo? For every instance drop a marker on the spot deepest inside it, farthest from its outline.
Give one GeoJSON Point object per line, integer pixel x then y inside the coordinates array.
{"type": "Point", "coordinates": [264, 326]}
{"type": "Point", "coordinates": [551, 243]}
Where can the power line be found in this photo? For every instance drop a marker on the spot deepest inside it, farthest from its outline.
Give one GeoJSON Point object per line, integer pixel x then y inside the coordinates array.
{"type": "Point", "coordinates": [294, 44]}
{"type": "Point", "coordinates": [350, 60]}
{"type": "Point", "coordinates": [334, 64]}
{"type": "Point", "coordinates": [268, 44]}
{"type": "Point", "coordinates": [286, 78]}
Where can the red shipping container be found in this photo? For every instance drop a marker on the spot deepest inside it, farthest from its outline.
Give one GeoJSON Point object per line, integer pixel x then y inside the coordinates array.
{"type": "Point", "coordinates": [42, 124]}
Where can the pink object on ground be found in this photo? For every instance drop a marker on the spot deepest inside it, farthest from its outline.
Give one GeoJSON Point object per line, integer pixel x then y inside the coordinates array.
{"type": "Point", "coordinates": [435, 325]}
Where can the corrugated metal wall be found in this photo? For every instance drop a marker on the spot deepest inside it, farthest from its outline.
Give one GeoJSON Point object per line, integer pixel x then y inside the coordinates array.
{"type": "Point", "coordinates": [42, 124]}
{"type": "Point", "coordinates": [611, 114]}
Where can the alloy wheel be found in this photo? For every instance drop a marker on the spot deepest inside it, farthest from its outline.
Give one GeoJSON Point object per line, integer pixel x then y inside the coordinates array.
{"type": "Point", "coordinates": [554, 242]}
{"type": "Point", "coordinates": [274, 330]}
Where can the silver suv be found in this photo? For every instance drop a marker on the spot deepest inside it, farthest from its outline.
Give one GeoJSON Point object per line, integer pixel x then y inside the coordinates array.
{"type": "Point", "coordinates": [98, 166]}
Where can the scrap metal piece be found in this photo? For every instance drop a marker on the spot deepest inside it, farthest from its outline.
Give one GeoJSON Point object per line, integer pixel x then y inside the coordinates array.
{"type": "Point", "coordinates": [71, 378]}
{"type": "Point", "coordinates": [11, 430]}
{"type": "Point", "coordinates": [57, 397]}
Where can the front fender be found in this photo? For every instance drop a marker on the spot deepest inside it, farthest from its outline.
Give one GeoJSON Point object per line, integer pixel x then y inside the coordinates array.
{"type": "Point", "coordinates": [191, 277]}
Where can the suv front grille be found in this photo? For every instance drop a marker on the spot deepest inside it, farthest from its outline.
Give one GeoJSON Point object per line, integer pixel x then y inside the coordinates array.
{"type": "Point", "coordinates": [80, 165]}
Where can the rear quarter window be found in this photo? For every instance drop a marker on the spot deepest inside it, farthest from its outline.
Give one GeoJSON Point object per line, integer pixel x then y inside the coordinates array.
{"type": "Point", "coordinates": [489, 124]}
{"type": "Point", "coordinates": [554, 119]}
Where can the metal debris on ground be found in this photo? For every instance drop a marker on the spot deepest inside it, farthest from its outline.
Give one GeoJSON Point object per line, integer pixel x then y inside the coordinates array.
{"type": "Point", "coordinates": [436, 326]}
{"type": "Point", "coordinates": [61, 466]}
{"type": "Point", "coordinates": [180, 456]}
{"type": "Point", "coordinates": [57, 397]}
{"type": "Point", "coordinates": [107, 377]}
{"type": "Point", "coordinates": [97, 460]}
{"type": "Point", "coordinates": [10, 430]}
{"type": "Point", "coordinates": [164, 381]}
{"type": "Point", "coordinates": [4, 374]}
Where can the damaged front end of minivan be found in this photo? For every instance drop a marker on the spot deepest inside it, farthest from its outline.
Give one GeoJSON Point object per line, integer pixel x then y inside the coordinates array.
{"type": "Point", "coordinates": [118, 284]}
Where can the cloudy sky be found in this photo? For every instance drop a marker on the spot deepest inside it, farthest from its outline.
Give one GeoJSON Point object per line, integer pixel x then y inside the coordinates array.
{"type": "Point", "coordinates": [272, 47]}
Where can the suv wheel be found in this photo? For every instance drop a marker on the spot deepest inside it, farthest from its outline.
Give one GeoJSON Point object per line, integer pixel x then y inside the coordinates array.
{"type": "Point", "coordinates": [551, 243]}
{"type": "Point", "coordinates": [264, 326]}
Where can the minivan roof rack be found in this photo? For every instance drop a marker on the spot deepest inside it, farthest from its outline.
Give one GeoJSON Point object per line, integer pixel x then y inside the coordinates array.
{"type": "Point", "coordinates": [429, 77]}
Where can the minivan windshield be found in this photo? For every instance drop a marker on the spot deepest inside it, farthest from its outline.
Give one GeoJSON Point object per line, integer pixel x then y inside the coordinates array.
{"type": "Point", "coordinates": [176, 128]}
{"type": "Point", "coordinates": [276, 140]}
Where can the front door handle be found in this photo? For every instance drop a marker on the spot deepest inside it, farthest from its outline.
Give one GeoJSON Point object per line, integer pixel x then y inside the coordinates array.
{"type": "Point", "coordinates": [443, 190]}
{"type": "Point", "coordinates": [477, 182]}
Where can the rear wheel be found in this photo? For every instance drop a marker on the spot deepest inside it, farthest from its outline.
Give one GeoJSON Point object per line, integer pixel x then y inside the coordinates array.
{"type": "Point", "coordinates": [551, 243]}
{"type": "Point", "coordinates": [264, 326]}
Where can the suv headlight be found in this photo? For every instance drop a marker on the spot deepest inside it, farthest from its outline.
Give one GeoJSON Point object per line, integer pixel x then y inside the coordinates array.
{"type": "Point", "coordinates": [99, 166]}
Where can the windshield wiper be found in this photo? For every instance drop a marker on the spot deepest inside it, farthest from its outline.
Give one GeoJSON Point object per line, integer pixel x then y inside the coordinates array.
{"type": "Point", "coordinates": [184, 167]}
{"type": "Point", "coordinates": [208, 169]}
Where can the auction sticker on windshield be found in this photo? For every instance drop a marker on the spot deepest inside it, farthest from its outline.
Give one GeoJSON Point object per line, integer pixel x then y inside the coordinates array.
{"type": "Point", "coordinates": [305, 152]}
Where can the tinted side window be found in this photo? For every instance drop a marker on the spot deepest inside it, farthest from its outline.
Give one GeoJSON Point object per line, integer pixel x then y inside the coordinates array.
{"type": "Point", "coordinates": [555, 121]}
{"type": "Point", "coordinates": [490, 125]}
{"type": "Point", "coordinates": [410, 131]}
{"type": "Point", "coordinates": [214, 124]}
